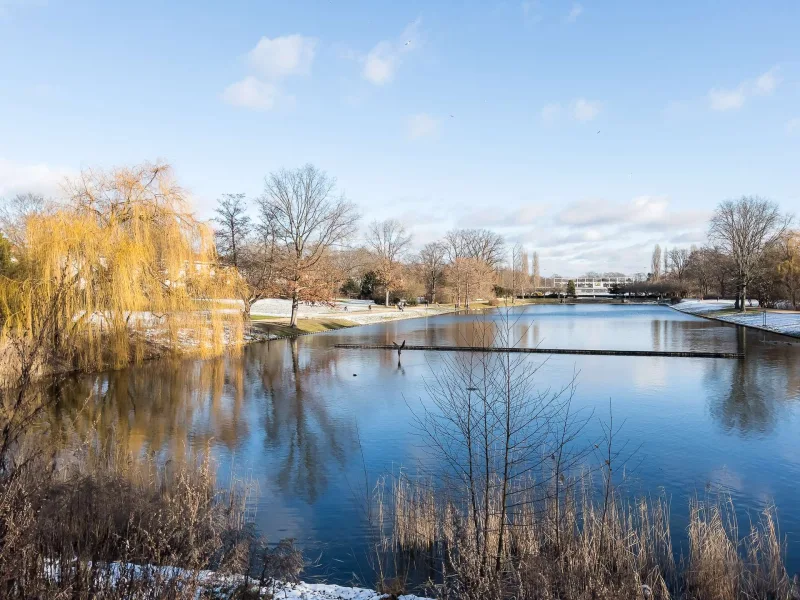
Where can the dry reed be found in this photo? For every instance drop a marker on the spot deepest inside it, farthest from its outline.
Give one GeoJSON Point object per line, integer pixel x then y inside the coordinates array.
{"type": "Point", "coordinates": [577, 546]}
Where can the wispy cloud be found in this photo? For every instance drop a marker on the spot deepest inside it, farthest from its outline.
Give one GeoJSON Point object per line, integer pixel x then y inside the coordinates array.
{"type": "Point", "coordinates": [16, 178]}
{"type": "Point", "coordinates": [7, 6]}
{"type": "Point", "coordinates": [530, 11]}
{"type": "Point", "coordinates": [281, 56]}
{"type": "Point", "coordinates": [382, 61]}
{"type": "Point", "coordinates": [271, 60]}
{"type": "Point", "coordinates": [643, 213]}
{"type": "Point", "coordinates": [550, 112]}
{"type": "Point", "coordinates": [520, 217]}
{"type": "Point", "coordinates": [584, 110]}
{"type": "Point", "coordinates": [726, 99]}
{"type": "Point", "coordinates": [251, 92]}
{"type": "Point", "coordinates": [422, 125]}
{"type": "Point", "coordinates": [575, 12]}
{"type": "Point", "coordinates": [581, 110]}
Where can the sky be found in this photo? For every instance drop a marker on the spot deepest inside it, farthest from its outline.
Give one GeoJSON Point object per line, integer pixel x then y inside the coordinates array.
{"type": "Point", "coordinates": [586, 131]}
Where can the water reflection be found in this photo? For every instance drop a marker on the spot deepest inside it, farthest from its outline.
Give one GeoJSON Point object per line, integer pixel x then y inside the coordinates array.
{"type": "Point", "coordinates": [298, 428]}
{"type": "Point", "coordinates": [750, 397]}
{"type": "Point", "coordinates": [294, 412]}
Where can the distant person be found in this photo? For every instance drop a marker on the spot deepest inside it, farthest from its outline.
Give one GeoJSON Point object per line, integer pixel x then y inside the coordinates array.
{"type": "Point", "coordinates": [369, 306]}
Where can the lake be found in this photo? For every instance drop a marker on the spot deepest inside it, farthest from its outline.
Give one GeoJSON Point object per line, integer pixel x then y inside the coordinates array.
{"type": "Point", "coordinates": [304, 419]}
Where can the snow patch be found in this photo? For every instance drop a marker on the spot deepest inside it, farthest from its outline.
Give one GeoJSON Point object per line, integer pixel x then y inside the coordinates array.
{"type": "Point", "coordinates": [786, 323]}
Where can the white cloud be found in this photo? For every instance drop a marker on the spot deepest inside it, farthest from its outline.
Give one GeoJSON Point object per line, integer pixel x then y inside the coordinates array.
{"type": "Point", "coordinates": [575, 12]}
{"type": "Point", "coordinates": [379, 64]}
{"type": "Point", "coordinates": [584, 110]}
{"type": "Point", "coordinates": [528, 214]}
{"type": "Point", "coordinates": [422, 125]}
{"type": "Point", "coordinates": [644, 213]}
{"type": "Point", "coordinates": [531, 11]}
{"type": "Point", "coordinates": [382, 61]}
{"type": "Point", "coordinates": [7, 6]}
{"type": "Point", "coordinates": [550, 112]}
{"type": "Point", "coordinates": [734, 98]}
{"type": "Point", "coordinates": [581, 110]}
{"type": "Point", "coordinates": [793, 125]}
{"type": "Point", "coordinates": [766, 83]}
{"type": "Point", "coordinates": [272, 60]}
{"type": "Point", "coordinates": [17, 178]}
{"type": "Point", "coordinates": [282, 56]}
{"type": "Point", "coordinates": [726, 99]}
{"type": "Point", "coordinates": [251, 93]}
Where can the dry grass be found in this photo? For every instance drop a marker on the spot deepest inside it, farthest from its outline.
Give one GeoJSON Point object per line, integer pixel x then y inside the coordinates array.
{"type": "Point", "coordinates": [280, 326]}
{"type": "Point", "coordinates": [577, 547]}
{"type": "Point", "coordinates": [108, 525]}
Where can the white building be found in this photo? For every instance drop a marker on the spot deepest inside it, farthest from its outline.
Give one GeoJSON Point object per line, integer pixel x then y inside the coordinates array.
{"type": "Point", "coordinates": [593, 286]}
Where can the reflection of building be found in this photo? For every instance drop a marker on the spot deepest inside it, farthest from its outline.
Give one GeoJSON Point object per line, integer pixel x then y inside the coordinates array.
{"type": "Point", "coordinates": [593, 286]}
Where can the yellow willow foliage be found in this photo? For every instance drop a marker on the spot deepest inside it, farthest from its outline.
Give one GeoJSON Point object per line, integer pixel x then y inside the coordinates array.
{"type": "Point", "coordinates": [124, 271]}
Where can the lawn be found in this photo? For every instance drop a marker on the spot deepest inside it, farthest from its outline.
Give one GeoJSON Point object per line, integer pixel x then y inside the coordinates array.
{"type": "Point", "coordinates": [279, 326]}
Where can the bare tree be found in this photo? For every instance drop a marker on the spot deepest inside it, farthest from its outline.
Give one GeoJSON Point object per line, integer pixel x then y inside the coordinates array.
{"type": "Point", "coordinates": [432, 261]}
{"type": "Point", "coordinates": [679, 259]}
{"type": "Point", "coordinates": [258, 262]}
{"type": "Point", "coordinates": [655, 263]}
{"type": "Point", "coordinates": [701, 269]}
{"type": "Point", "coordinates": [537, 276]}
{"type": "Point", "coordinates": [485, 246]}
{"type": "Point", "coordinates": [789, 266]}
{"type": "Point", "coordinates": [15, 212]}
{"type": "Point", "coordinates": [308, 219]}
{"type": "Point", "coordinates": [233, 227]}
{"type": "Point", "coordinates": [525, 272]}
{"type": "Point", "coordinates": [456, 253]}
{"type": "Point", "coordinates": [389, 241]}
{"type": "Point", "coordinates": [516, 269]}
{"type": "Point", "coordinates": [501, 441]}
{"type": "Point", "coordinates": [744, 229]}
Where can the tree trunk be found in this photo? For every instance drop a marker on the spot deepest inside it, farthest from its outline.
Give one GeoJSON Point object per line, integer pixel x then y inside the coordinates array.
{"type": "Point", "coordinates": [387, 297]}
{"type": "Point", "coordinates": [295, 303]}
{"type": "Point", "coordinates": [744, 298]}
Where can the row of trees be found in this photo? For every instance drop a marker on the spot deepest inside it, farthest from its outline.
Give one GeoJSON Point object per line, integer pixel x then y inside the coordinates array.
{"type": "Point", "coordinates": [752, 253]}
{"type": "Point", "coordinates": [296, 241]}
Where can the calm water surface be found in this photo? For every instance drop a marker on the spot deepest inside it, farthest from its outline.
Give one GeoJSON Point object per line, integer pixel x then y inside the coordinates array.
{"type": "Point", "coordinates": [292, 414]}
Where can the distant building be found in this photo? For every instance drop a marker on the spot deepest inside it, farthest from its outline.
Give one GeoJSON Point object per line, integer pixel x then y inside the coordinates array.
{"type": "Point", "coordinates": [594, 286]}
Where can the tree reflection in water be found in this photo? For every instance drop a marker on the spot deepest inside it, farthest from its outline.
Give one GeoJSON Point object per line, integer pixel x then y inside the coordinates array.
{"type": "Point", "coordinates": [298, 428]}
{"type": "Point", "coordinates": [749, 396]}
{"type": "Point", "coordinates": [172, 408]}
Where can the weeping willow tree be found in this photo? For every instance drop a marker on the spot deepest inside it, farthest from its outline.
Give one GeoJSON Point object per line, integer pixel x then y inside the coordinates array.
{"type": "Point", "coordinates": [120, 269]}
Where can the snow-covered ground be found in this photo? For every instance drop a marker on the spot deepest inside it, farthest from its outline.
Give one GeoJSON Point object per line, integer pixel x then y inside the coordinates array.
{"type": "Point", "coordinates": [277, 307]}
{"type": "Point", "coordinates": [321, 591]}
{"type": "Point", "coordinates": [223, 586]}
{"type": "Point", "coordinates": [357, 311]}
{"type": "Point", "coordinates": [787, 323]}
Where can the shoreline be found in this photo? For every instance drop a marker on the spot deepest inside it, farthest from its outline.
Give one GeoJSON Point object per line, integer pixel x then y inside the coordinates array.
{"type": "Point", "coordinates": [782, 323]}
{"type": "Point", "coordinates": [277, 328]}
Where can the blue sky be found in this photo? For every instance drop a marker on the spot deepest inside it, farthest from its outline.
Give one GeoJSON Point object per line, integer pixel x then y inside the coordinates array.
{"type": "Point", "coordinates": [587, 131]}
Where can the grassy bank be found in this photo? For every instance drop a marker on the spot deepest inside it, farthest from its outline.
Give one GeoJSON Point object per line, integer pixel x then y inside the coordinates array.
{"type": "Point", "coordinates": [280, 328]}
